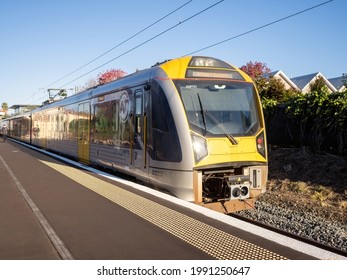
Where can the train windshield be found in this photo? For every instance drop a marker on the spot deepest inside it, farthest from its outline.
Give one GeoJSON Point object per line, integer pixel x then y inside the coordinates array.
{"type": "Point", "coordinates": [220, 109]}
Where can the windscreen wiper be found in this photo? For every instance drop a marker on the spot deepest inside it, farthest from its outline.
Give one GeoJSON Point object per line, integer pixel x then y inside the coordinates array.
{"type": "Point", "coordinates": [222, 128]}
{"type": "Point", "coordinates": [202, 113]}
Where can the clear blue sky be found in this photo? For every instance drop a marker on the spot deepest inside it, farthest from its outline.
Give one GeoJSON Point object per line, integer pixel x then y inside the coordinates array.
{"type": "Point", "coordinates": [42, 41]}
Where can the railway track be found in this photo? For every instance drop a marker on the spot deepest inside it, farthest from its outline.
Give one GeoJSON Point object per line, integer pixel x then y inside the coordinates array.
{"type": "Point", "coordinates": [291, 235]}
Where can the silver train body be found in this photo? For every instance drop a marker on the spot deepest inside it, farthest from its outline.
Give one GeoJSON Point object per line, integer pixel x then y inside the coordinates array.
{"type": "Point", "coordinates": [142, 125]}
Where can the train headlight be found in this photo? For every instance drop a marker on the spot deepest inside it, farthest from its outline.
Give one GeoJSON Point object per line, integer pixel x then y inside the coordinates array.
{"type": "Point", "coordinates": [199, 147]}
{"type": "Point", "coordinates": [239, 191]}
{"type": "Point", "coordinates": [261, 144]}
{"type": "Point", "coordinates": [244, 190]}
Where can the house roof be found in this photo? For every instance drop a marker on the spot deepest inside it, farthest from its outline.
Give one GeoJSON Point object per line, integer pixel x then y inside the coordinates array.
{"type": "Point", "coordinates": [23, 106]}
{"type": "Point", "coordinates": [303, 82]}
{"type": "Point", "coordinates": [18, 106]}
{"type": "Point", "coordinates": [271, 74]}
{"type": "Point", "coordinates": [283, 77]}
{"type": "Point", "coordinates": [337, 83]}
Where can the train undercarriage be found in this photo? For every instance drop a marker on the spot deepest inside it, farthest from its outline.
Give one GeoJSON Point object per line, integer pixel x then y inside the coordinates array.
{"type": "Point", "coordinates": [229, 190]}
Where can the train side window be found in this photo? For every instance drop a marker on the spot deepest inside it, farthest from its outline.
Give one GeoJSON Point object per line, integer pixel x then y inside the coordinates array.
{"type": "Point", "coordinates": [158, 112]}
{"type": "Point", "coordinates": [115, 117]}
{"type": "Point", "coordinates": [101, 123]}
{"type": "Point", "coordinates": [164, 143]}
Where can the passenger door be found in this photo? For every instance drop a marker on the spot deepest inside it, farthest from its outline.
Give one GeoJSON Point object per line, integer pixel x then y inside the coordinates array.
{"type": "Point", "coordinates": [138, 150]}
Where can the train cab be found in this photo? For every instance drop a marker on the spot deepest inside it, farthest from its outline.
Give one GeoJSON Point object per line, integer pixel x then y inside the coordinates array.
{"type": "Point", "coordinates": [224, 117]}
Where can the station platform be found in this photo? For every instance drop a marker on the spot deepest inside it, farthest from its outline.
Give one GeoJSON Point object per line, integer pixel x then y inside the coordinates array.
{"type": "Point", "coordinates": [50, 210]}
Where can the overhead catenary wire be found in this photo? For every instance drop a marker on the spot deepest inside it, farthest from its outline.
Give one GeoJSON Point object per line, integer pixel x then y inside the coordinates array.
{"type": "Point", "coordinates": [116, 46]}
{"type": "Point", "coordinates": [139, 45]}
{"type": "Point", "coordinates": [145, 42]}
{"type": "Point", "coordinates": [121, 43]}
{"type": "Point", "coordinates": [258, 28]}
{"type": "Point", "coordinates": [207, 47]}
{"type": "Point", "coordinates": [210, 46]}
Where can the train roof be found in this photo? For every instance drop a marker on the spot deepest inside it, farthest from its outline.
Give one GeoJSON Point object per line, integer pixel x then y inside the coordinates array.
{"type": "Point", "coordinates": [175, 69]}
{"type": "Point", "coordinates": [134, 79]}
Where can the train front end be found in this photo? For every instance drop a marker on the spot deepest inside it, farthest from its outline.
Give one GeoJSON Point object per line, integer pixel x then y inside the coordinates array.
{"type": "Point", "coordinates": [227, 133]}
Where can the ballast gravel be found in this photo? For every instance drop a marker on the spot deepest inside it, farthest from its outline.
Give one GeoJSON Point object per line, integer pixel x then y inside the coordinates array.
{"type": "Point", "coordinates": [305, 222]}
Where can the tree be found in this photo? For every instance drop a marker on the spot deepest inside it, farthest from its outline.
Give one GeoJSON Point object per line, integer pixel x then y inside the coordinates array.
{"type": "Point", "coordinates": [92, 82]}
{"type": "Point", "coordinates": [110, 75]}
{"type": "Point", "coordinates": [319, 85]}
{"type": "Point", "coordinates": [4, 107]}
{"type": "Point", "coordinates": [103, 78]}
{"type": "Point", "coordinates": [344, 79]}
{"type": "Point", "coordinates": [256, 69]}
{"type": "Point", "coordinates": [271, 90]}
{"type": "Point", "coordinates": [274, 89]}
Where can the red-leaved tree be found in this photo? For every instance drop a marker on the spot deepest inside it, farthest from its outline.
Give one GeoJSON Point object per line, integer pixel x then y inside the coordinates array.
{"type": "Point", "coordinates": [110, 75]}
{"type": "Point", "coordinates": [255, 69]}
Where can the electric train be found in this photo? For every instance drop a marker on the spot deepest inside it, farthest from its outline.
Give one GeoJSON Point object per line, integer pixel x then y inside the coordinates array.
{"type": "Point", "coordinates": [192, 126]}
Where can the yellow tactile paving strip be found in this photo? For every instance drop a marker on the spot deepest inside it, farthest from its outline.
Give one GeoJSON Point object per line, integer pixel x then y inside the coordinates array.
{"type": "Point", "coordinates": [210, 240]}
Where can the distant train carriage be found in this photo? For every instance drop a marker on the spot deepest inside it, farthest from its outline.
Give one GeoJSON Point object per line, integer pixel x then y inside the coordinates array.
{"type": "Point", "coordinates": [18, 127]}
{"type": "Point", "coordinates": [192, 126]}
